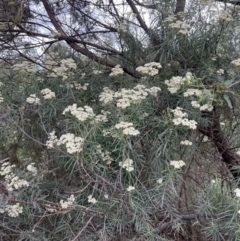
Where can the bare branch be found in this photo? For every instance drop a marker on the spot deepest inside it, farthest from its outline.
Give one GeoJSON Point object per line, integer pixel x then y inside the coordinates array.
{"type": "Point", "coordinates": [82, 50]}
{"type": "Point", "coordinates": [138, 16]}
{"type": "Point", "coordinates": [85, 226]}
{"type": "Point", "coordinates": [184, 217]}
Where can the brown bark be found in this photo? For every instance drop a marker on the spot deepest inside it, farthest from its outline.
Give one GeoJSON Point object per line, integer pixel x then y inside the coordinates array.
{"type": "Point", "coordinates": [180, 6]}
{"type": "Point", "coordinates": [214, 133]}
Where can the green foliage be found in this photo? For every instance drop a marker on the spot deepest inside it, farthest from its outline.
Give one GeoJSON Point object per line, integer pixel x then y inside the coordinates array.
{"type": "Point", "coordinates": [88, 156]}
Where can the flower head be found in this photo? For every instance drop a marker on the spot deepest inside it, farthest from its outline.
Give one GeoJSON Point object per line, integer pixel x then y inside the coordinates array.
{"type": "Point", "coordinates": [130, 188]}
{"type": "Point", "coordinates": [116, 71]}
{"type": "Point", "coordinates": [31, 168]}
{"type": "Point", "coordinates": [92, 199]}
{"type": "Point", "coordinates": [47, 94]}
{"type": "Point", "coordinates": [127, 164]}
{"type": "Point", "coordinates": [33, 99]}
{"type": "Point", "coordinates": [177, 164]}
{"type": "Point", "coordinates": [14, 210]}
{"type": "Point", "coordinates": [237, 191]}
{"type": "Point", "coordinates": [159, 181]}
{"type": "Point", "coordinates": [68, 203]}
{"type": "Point", "coordinates": [186, 143]}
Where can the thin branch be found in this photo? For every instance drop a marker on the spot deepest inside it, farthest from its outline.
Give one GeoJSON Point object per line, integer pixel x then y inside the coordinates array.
{"type": "Point", "coordinates": [184, 217]}
{"type": "Point", "coordinates": [85, 226]}
{"type": "Point", "coordinates": [154, 6]}
{"type": "Point", "coordinates": [76, 47]}
{"type": "Point", "coordinates": [138, 16]}
{"type": "Point", "coordinates": [214, 132]}
{"type": "Point", "coordinates": [112, 29]}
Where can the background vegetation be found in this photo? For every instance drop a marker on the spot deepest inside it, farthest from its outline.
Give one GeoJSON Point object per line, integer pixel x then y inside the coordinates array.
{"type": "Point", "coordinates": [119, 120]}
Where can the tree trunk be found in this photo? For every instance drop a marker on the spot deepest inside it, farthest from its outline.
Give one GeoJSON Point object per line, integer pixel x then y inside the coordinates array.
{"type": "Point", "coordinates": [214, 132]}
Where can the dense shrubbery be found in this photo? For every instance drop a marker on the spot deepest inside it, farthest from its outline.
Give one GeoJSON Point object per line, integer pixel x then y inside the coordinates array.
{"type": "Point", "coordinates": [111, 159]}
{"type": "Point", "coordinates": [92, 153]}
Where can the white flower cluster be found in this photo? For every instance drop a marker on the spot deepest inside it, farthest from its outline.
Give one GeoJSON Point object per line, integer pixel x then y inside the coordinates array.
{"type": "Point", "coordinates": [77, 86]}
{"type": "Point", "coordinates": [225, 16]}
{"type": "Point", "coordinates": [110, 132]}
{"type": "Point", "coordinates": [178, 25]}
{"type": "Point", "coordinates": [107, 95]}
{"type": "Point", "coordinates": [170, 19]}
{"type": "Point", "coordinates": [153, 91]}
{"type": "Point", "coordinates": [236, 62]}
{"type": "Point", "coordinates": [12, 210]}
{"type": "Point", "coordinates": [91, 199]}
{"type": "Point", "coordinates": [81, 113]}
{"type": "Point", "coordinates": [159, 180]}
{"type": "Point", "coordinates": [123, 27]}
{"type": "Point", "coordinates": [220, 71]}
{"type": "Point", "coordinates": [145, 114]}
{"type": "Point", "coordinates": [12, 180]}
{"type": "Point", "coordinates": [130, 188]}
{"type": "Point", "coordinates": [213, 181]}
{"type": "Point", "coordinates": [195, 104]}
{"type": "Point", "coordinates": [207, 106]}
{"type": "Point", "coordinates": [52, 140]}
{"type": "Point", "coordinates": [65, 66]}
{"type": "Point", "coordinates": [149, 68]}
{"type": "Point", "coordinates": [101, 117]}
{"type": "Point", "coordinates": [174, 84]}
{"type": "Point", "coordinates": [69, 63]}
{"type": "Point", "coordinates": [117, 70]}
{"type": "Point", "coordinates": [95, 71]}
{"type": "Point", "coordinates": [73, 144]}
{"type": "Point", "coordinates": [179, 113]}
{"type": "Point", "coordinates": [180, 119]}
{"type": "Point", "coordinates": [126, 97]}
{"type": "Point", "coordinates": [123, 125]}
{"type": "Point", "coordinates": [33, 99]}
{"type": "Point", "coordinates": [237, 191]}
{"type": "Point", "coordinates": [105, 155]}
{"type": "Point", "coordinates": [192, 92]}
{"type": "Point", "coordinates": [238, 152]}
{"type": "Point", "coordinates": [49, 62]}
{"type": "Point", "coordinates": [106, 196]}
{"type": "Point", "coordinates": [189, 78]}
{"type": "Point", "coordinates": [127, 128]}
{"type": "Point", "coordinates": [203, 95]}
{"type": "Point", "coordinates": [47, 94]}
{"type": "Point", "coordinates": [25, 67]}
{"type": "Point", "coordinates": [31, 168]}
{"type": "Point", "coordinates": [68, 203]}
{"type": "Point", "coordinates": [177, 164]}
{"type": "Point", "coordinates": [1, 98]}
{"type": "Point", "coordinates": [127, 164]}
{"type": "Point", "coordinates": [186, 143]}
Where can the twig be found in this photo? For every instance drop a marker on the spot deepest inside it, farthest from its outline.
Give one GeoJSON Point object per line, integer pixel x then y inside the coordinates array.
{"type": "Point", "coordinates": [184, 217]}
{"type": "Point", "coordinates": [78, 235]}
